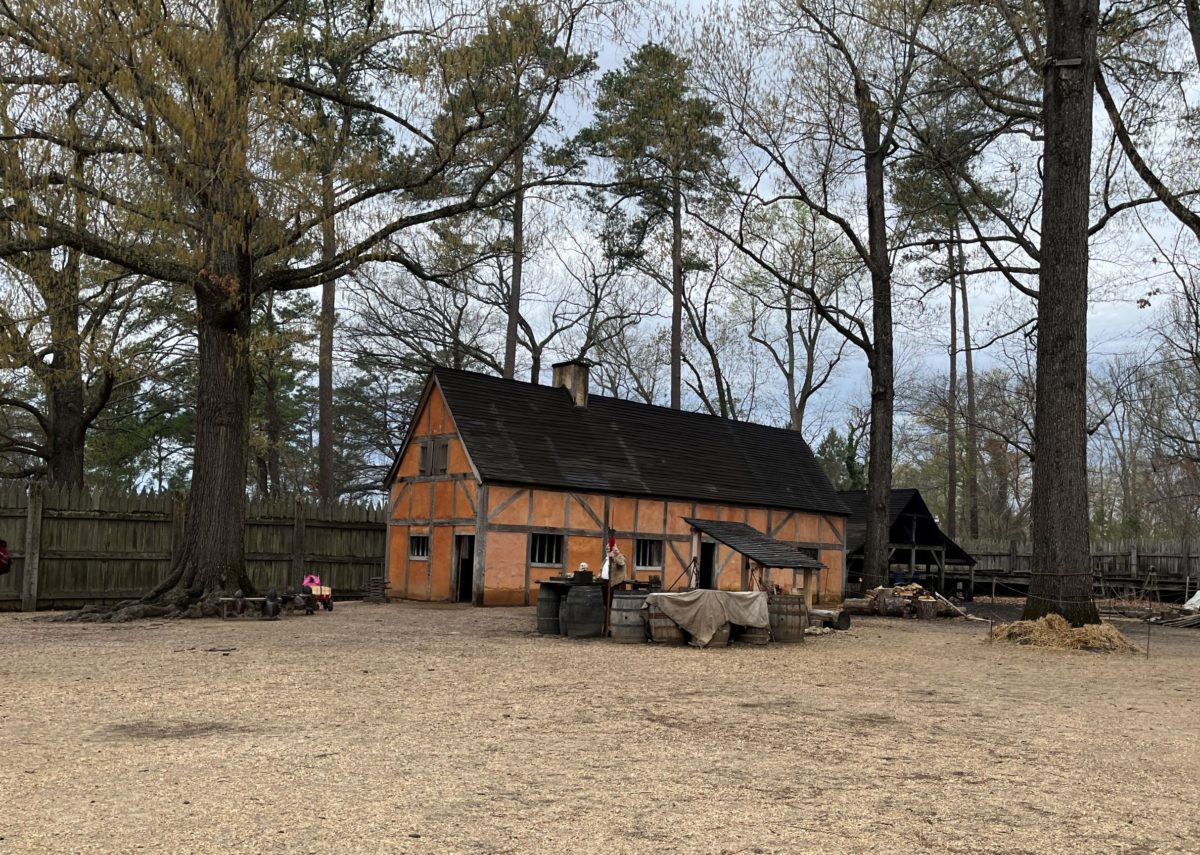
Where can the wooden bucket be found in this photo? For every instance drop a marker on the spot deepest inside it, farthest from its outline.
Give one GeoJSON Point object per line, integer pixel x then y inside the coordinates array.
{"type": "Point", "coordinates": [663, 630]}
{"type": "Point", "coordinates": [628, 621]}
{"type": "Point", "coordinates": [585, 611]}
{"type": "Point", "coordinates": [788, 618]}
{"type": "Point", "coordinates": [548, 602]}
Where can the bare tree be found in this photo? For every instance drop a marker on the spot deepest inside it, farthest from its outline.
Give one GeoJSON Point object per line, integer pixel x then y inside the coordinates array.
{"type": "Point", "coordinates": [820, 129]}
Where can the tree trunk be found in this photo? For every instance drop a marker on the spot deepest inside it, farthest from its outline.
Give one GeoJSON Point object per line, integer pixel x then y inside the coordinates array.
{"type": "Point", "coordinates": [211, 559]}
{"type": "Point", "coordinates": [212, 555]}
{"type": "Point", "coordinates": [1061, 579]}
{"type": "Point", "coordinates": [676, 293]}
{"type": "Point", "coordinates": [879, 360]}
{"type": "Point", "coordinates": [326, 489]}
{"type": "Point", "coordinates": [62, 379]}
{"type": "Point", "coordinates": [518, 261]}
{"type": "Point", "coordinates": [973, 458]}
{"type": "Point", "coordinates": [952, 405]}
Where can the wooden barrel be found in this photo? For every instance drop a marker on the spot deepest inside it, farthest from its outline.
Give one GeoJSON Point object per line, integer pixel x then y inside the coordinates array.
{"type": "Point", "coordinates": [788, 620]}
{"type": "Point", "coordinates": [562, 612]}
{"type": "Point", "coordinates": [663, 630]}
{"type": "Point", "coordinates": [753, 635]}
{"type": "Point", "coordinates": [628, 617]}
{"type": "Point", "coordinates": [585, 611]}
{"type": "Point", "coordinates": [548, 602]}
{"type": "Point", "coordinates": [720, 637]}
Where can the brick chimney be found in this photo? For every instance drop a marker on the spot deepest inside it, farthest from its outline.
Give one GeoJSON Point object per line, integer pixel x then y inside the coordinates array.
{"type": "Point", "coordinates": [572, 375]}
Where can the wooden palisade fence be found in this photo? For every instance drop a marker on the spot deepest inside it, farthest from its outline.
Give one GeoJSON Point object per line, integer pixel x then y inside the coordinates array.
{"type": "Point", "coordinates": [72, 547]}
{"type": "Point", "coordinates": [1125, 569]}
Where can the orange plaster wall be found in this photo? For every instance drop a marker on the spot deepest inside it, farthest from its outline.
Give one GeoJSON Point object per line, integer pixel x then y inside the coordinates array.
{"type": "Point", "coordinates": [549, 508]}
{"type": "Point", "coordinates": [580, 518]}
{"type": "Point", "coordinates": [397, 554]}
{"type": "Point", "coordinates": [650, 517]}
{"type": "Point", "coordinates": [589, 549]}
{"type": "Point", "coordinates": [504, 579]}
{"type": "Point", "coordinates": [457, 461]}
{"type": "Point", "coordinates": [620, 513]}
{"type": "Point", "coordinates": [515, 514]}
{"type": "Point", "coordinates": [833, 577]}
{"type": "Point", "coordinates": [418, 578]}
{"type": "Point", "coordinates": [443, 499]}
{"type": "Point", "coordinates": [440, 560]}
{"type": "Point", "coordinates": [676, 512]}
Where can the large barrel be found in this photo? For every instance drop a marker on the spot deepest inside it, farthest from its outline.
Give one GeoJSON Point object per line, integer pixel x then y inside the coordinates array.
{"type": "Point", "coordinates": [753, 635]}
{"type": "Point", "coordinates": [786, 612]}
{"type": "Point", "coordinates": [548, 601]}
{"type": "Point", "coordinates": [585, 611]}
{"type": "Point", "coordinates": [720, 637]}
{"type": "Point", "coordinates": [562, 612]}
{"type": "Point", "coordinates": [663, 630]}
{"type": "Point", "coordinates": [628, 618]}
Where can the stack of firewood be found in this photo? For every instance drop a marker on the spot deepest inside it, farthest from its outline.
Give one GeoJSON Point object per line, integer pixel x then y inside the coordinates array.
{"type": "Point", "coordinates": [898, 601]}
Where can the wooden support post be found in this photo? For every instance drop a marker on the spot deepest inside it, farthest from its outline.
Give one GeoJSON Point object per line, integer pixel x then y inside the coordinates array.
{"type": "Point", "coordinates": [695, 556]}
{"type": "Point", "coordinates": [745, 573]}
{"type": "Point", "coordinates": [808, 590]}
{"type": "Point", "coordinates": [1133, 560]}
{"type": "Point", "coordinates": [33, 549]}
{"type": "Point", "coordinates": [481, 523]}
{"type": "Point", "coordinates": [940, 557]}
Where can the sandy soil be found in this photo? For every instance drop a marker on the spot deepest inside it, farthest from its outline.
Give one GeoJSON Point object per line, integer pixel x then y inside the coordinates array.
{"type": "Point", "coordinates": [399, 728]}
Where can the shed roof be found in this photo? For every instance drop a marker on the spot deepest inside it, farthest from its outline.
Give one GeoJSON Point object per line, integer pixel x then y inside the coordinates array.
{"type": "Point", "coordinates": [909, 521]}
{"type": "Point", "coordinates": [755, 545]}
{"type": "Point", "coordinates": [522, 433]}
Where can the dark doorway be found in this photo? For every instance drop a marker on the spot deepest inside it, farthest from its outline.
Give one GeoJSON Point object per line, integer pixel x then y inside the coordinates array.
{"type": "Point", "coordinates": [464, 565]}
{"type": "Point", "coordinates": [708, 562]}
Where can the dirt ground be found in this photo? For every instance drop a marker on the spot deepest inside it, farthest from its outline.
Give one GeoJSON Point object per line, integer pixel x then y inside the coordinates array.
{"type": "Point", "coordinates": [401, 728]}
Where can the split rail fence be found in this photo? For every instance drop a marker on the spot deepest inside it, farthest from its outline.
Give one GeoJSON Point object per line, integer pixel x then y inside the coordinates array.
{"type": "Point", "coordinates": [72, 547]}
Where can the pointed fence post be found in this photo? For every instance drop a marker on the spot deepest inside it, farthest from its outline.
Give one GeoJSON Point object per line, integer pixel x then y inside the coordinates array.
{"type": "Point", "coordinates": [33, 548]}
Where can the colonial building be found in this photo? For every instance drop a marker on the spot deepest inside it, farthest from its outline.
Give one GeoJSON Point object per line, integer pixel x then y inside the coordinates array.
{"type": "Point", "coordinates": [500, 483]}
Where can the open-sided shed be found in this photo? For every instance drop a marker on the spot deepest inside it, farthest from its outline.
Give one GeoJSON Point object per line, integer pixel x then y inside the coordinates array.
{"type": "Point", "coordinates": [916, 542]}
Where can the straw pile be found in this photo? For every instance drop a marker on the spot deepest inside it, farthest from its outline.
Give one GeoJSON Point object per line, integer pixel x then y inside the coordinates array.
{"type": "Point", "coordinates": [1055, 631]}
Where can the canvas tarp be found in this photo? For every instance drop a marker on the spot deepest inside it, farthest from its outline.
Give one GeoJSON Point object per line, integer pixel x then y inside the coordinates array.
{"type": "Point", "coordinates": [702, 612]}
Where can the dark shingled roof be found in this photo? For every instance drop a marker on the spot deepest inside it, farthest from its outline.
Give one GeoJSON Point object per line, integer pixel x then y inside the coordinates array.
{"type": "Point", "coordinates": [755, 545]}
{"type": "Point", "coordinates": [521, 433]}
{"type": "Point", "coordinates": [903, 504]}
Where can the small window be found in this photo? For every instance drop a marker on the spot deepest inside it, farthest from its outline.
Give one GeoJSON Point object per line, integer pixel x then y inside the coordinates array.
{"type": "Point", "coordinates": [418, 546]}
{"type": "Point", "coordinates": [809, 552]}
{"type": "Point", "coordinates": [423, 468]}
{"type": "Point", "coordinates": [648, 553]}
{"type": "Point", "coordinates": [546, 549]}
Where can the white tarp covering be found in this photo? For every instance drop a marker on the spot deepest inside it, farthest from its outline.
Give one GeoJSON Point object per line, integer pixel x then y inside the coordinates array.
{"type": "Point", "coordinates": [1193, 603]}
